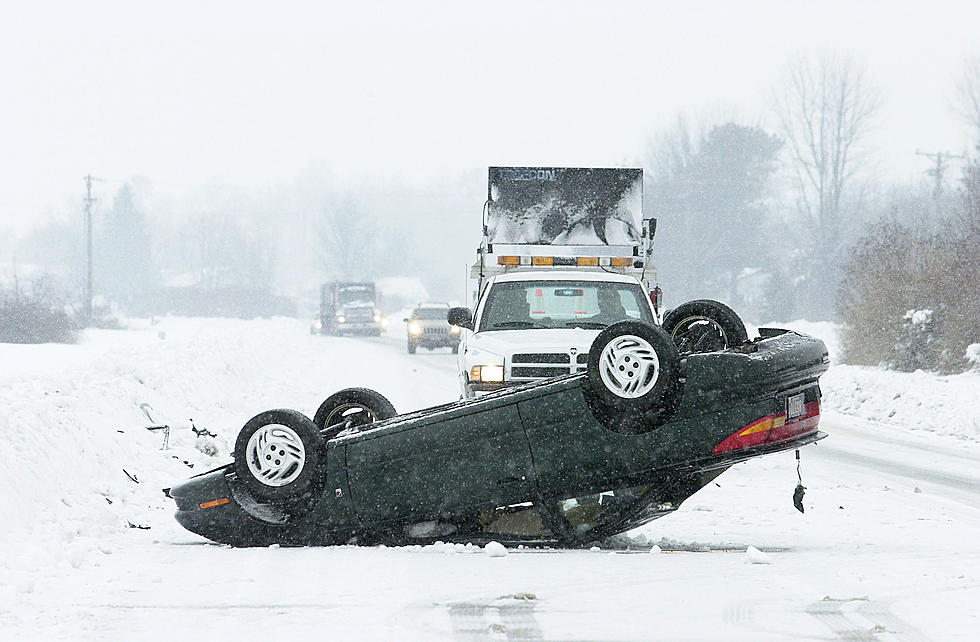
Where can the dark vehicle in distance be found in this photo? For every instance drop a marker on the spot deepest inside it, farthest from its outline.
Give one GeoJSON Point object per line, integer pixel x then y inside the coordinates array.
{"type": "Point", "coordinates": [569, 460]}
{"type": "Point", "coordinates": [428, 328]}
{"type": "Point", "coordinates": [348, 307]}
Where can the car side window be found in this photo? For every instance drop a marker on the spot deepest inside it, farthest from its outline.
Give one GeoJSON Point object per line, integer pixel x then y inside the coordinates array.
{"type": "Point", "coordinates": [517, 520]}
{"type": "Point", "coordinates": [587, 512]}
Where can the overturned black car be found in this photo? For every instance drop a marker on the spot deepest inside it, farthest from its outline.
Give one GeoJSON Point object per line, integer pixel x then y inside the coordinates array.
{"type": "Point", "coordinates": [568, 461]}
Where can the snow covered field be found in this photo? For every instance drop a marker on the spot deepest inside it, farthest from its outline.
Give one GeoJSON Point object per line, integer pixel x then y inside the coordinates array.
{"type": "Point", "coordinates": [887, 549]}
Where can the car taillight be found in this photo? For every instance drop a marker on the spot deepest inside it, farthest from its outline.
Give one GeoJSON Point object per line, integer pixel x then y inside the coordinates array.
{"type": "Point", "coordinates": [771, 429]}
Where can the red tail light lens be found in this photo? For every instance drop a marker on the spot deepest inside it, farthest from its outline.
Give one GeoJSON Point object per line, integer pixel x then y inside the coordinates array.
{"type": "Point", "coordinates": [772, 429]}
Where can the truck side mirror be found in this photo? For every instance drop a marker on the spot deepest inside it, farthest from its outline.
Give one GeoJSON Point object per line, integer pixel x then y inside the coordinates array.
{"type": "Point", "coordinates": [461, 317]}
{"type": "Point", "coordinates": [651, 228]}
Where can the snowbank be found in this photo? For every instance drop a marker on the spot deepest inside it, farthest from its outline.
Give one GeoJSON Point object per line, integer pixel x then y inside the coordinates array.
{"type": "Point", "coordinates": [78, 459]}
{"type": "Point", "coordinates": [919, 401]}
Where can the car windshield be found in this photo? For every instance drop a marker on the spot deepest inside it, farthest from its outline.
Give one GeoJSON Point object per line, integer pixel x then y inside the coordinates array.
{"type": "Point", "coordinates": [562, 304]}
{"type": "Point", "coordinates": [430, 314]}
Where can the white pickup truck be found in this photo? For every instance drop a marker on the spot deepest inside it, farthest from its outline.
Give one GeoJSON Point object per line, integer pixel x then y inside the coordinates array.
{"type": "Point", "coordinates": [564, 255]}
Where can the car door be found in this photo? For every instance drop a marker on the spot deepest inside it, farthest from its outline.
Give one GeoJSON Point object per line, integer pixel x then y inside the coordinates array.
{"type": "Point", "coordinates": [475, 455]}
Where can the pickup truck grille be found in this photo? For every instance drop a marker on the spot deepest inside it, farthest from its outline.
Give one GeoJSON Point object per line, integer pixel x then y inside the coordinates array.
{"type": "Point", "coordinates": [543, 365]}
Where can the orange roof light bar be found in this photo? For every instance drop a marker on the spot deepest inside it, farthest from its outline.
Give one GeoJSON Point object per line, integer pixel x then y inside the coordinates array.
{"type": "Point", "coordinates": [508, 260]}
{"type": "Point", "coordinates": [588, 261]}
{"type": "Point", "coordinates": [625, 261]}
{"type": "Point", "coordinates": [542, 260]}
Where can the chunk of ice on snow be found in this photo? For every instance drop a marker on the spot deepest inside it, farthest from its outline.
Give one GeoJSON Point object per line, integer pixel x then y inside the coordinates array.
{"type": "Point", "coordinates": [495, 549]}
{"type": "Point", "coordinates": [756, 556]}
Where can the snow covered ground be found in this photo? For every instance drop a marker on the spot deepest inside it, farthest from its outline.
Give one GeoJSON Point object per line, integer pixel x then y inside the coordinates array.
{"type": "Point", "coordinates": [887, 549]}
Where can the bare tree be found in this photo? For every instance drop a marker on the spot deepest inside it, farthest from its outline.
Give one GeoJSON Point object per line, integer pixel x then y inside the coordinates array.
{"type": "Point", "coordinates": [968, 105]}
{"type": "Point", "coordinates": [968, 95]}
{"type": "Point", "coordinates": [968, 213]}
{"type": "Point", "coordinates": [230, 255]}
{"type": "Point", "coordinates": [348, 240]}
{"type": "Point", "coordinates": [826, 107]}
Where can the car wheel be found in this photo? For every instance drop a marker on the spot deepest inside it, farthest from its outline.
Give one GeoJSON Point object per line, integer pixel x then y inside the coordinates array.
{"type": "Point", "coordinates": [279, 454]}
{"type": "Point", "coordinates": [634, 368]}
{"type": "Point", "coordinates": [704, 326]}
{"type": "Point", "coordinates": [349, 408]}
{"type": "Point", "coordinates": [411, 347]}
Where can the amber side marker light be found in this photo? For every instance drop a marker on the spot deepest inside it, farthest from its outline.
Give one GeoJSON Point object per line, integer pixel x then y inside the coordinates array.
{"type": "Point", "coordinates": [215, 502]}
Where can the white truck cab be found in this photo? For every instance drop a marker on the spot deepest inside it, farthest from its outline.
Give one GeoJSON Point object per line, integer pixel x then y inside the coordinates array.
{"type": "Point", "coordinates": [565, 253]}
{"type": "Point", "coordinates": [534, 325]}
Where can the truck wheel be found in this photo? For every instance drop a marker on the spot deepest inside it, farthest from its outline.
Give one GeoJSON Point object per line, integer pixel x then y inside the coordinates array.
{"type": "Point", "coordinates": [279, 454]}
{"type": "Point", "coordinates": [634, 368]}
{"type": "Point", "coordinates": [704, 326]}
{"type": "Point", "coordinates": [411, 347]}
{"type": "Point", "coordinates": [351, 407]}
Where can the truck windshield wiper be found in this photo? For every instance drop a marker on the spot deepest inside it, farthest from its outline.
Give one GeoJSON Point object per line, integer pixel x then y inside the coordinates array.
{"type": "Point", "coordinates": [518, 324]}
{"type": "Point", "coordinates": [586, 324]}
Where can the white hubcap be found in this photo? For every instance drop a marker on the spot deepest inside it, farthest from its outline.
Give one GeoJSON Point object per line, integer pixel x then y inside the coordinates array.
{"type": "Point", "coordinates": [629, 366]}
{"type": "Point", "coordinates": [275, 455]}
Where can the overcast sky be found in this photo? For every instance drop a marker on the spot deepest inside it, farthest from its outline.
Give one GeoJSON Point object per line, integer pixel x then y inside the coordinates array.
{"type": "Point", "coordinates": [255, 94]}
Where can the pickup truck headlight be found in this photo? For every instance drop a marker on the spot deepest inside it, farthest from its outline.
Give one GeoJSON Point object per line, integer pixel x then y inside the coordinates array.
{"type": "Point", "coordinates": [414, 328]}
{"type": "Point", "coordinates": [340, 318]}
{"type": "Point", "coordinates": [454, 329]}
{"type": "Point", "coordinates": [377, 318]}
{"type": "Point", "coordinates": [487, 374]}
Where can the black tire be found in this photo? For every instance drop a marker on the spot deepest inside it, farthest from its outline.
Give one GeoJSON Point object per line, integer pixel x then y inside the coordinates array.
{"type": "Point", "coordinates": [281, 429]}
{"type": "Point", "coordinates": [412, 348]}
{"type": "Point", "coordinates": [704, 326]}
{"type": "Point", "coordinates": [650, 382]}
{"type": "Point", "coordinates": [351, 407]}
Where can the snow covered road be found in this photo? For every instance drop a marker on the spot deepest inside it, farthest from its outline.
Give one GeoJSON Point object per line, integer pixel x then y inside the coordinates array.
{"type": "Point", "coordinates": [887, 549]}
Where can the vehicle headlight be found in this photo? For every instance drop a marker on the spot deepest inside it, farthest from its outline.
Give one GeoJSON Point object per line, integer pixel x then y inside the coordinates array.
{"type": "Point", "coordinates": [340, 318]}
{"type": "Point", "coordinates": [414, 328]}
{"type": "Point", "coordinates": [454, 329]}
{"type": "Point", "coordinates": [487, 374]}
{"type": "Point", "coordinates": [317, 325]}
{"type": "Point", "coordinates": [377, 318]}
{"type": "Point", "coordinates": [384, 322]}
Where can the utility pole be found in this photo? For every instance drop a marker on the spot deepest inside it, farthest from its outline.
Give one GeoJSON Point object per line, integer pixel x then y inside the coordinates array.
{"type": "Point", "coordinates": [89, 201]}
{"type": "Point", "coordinates": [941, 158]}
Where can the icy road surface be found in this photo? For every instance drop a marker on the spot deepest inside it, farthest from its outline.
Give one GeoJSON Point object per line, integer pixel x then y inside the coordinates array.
{"type": "Point", "coordinates": [888, 548]}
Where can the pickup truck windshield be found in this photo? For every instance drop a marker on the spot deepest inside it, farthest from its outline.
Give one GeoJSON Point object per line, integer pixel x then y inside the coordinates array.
{"type": "Point", "coordinates": [562, 304]}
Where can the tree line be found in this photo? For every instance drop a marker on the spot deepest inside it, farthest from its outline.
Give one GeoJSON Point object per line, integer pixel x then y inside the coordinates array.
{"type": "Point", "coordinates": [783, 220]}
{"type": "Point", "coordinates": [791, 223]}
